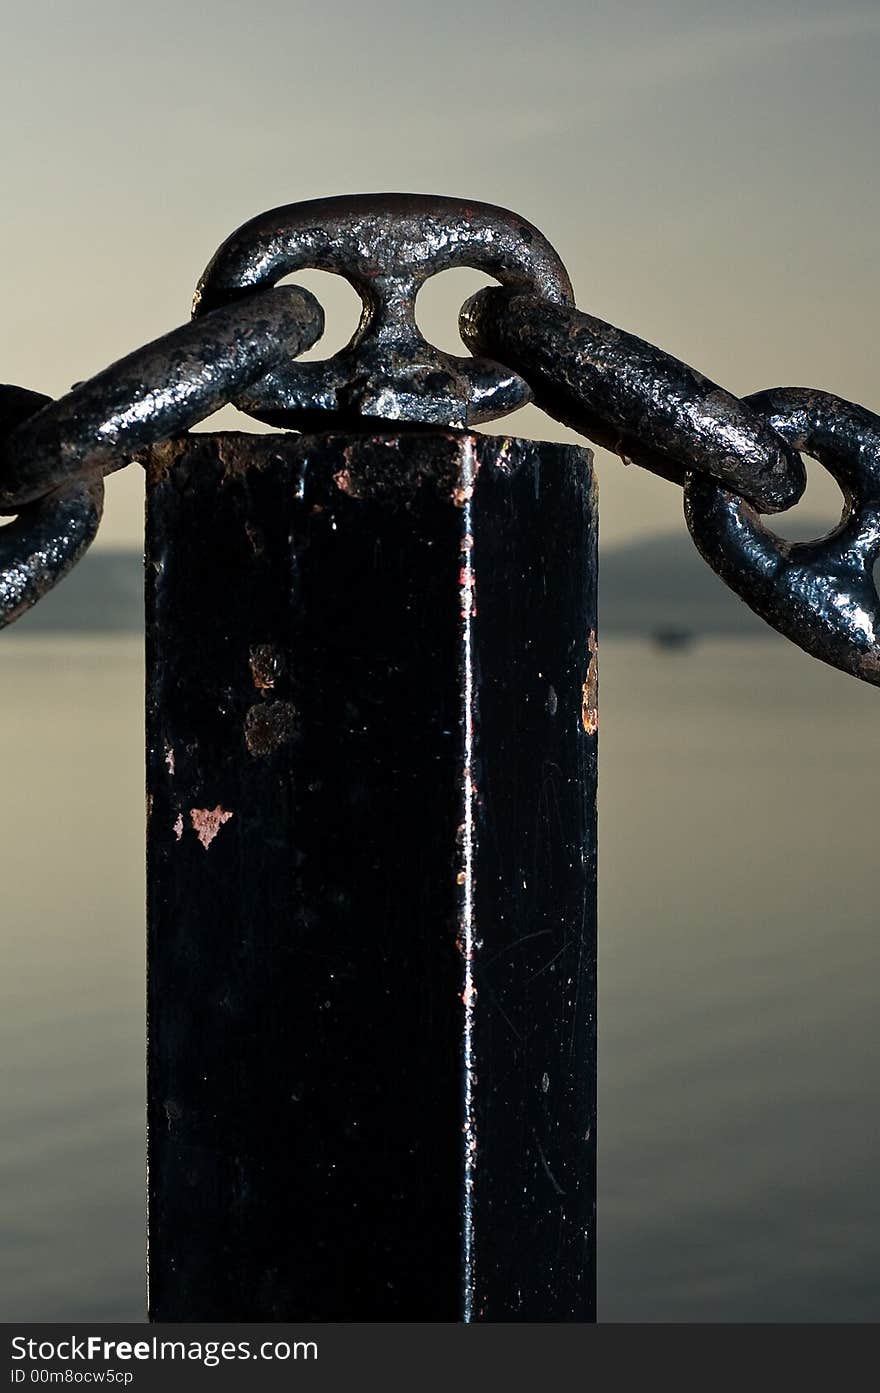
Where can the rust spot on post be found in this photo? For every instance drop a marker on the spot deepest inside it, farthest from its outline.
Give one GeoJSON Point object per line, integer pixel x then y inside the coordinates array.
{"type": "Point", "coordinates": [344, 482]}
{"type": "Point", "coordinates": [237, 457]}
{"type": "Point", "coordinates": [268, 725]}
{"type": "Point", "coordinates": [266, 664]}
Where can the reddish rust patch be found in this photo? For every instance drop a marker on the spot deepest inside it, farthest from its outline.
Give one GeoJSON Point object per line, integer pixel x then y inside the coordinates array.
{"type": "Point", "coordinates": [159, 460]}
{"type": "Point", "coordinates": [266, 664]}
{"type": "Point", "coordinates": [377, 468]}
{"type": "Point", "coordinates": [590, 702]}
{"type": "Point", "coordinates": [237, 456]}
{"type": "Point", "coordinates": [343, 478]}
{"type": "Point", "coordinates": [235, 451]}
{"type": "Point", "coordinates": [207, 823]}
{"type": "Point", "coordinates": [269, 724]}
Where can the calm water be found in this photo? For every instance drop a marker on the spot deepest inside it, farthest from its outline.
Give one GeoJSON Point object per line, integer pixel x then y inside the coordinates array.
{"type": "Point", "coordinates": [740, 971]}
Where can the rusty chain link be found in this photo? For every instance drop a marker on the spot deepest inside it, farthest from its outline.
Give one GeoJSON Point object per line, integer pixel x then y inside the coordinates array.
{"type": "Point", "coordinates": [386, 248]}
{"type": "Point", "coordinates": [736, 458]}
{"type": "Point", "coordinates": [49, 536]}
{"type": "Point", "coordinates": [633, 398]}
{"type": "Point", "coordinates": [54, 454]}
{"type": "Point", "coordinates": [820, 594]}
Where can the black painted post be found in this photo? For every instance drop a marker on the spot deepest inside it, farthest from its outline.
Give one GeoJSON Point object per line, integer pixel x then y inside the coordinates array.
{"type": "Point", "coordinates": [371, 705]}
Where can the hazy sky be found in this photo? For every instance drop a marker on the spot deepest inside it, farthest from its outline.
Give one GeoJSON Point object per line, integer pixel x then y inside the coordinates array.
{"type": "Point", "coordinates": [708, 171]}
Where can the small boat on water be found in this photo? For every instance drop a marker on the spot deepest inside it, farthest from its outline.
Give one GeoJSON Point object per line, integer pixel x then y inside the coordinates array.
{"type": "Point", "coordinates": [673, 638]}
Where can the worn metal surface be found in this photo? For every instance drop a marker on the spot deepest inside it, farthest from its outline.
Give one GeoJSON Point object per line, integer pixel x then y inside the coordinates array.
{"type": "Point", "coordinates": [617, 389]}
{"type": "Point", "coordinates": [633, 398]}
{"type": "Point", "coordinates": [44, 542]}
{"type": "Point", "coordinates": [372, 756]}
{"type": "Point", "coordinates": [821, 594]}
{"type": "Point", "coordinates": [49, 536]}
{"type": "Point", "coordinates": [54, 454]}
{"type": "Point", "coordinates": [160, 389]}
{"type": "Point", "coordinates": [386, 246]}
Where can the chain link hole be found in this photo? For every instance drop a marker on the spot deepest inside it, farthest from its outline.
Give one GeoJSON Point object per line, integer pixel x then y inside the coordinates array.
{"type": "Point", "coordinates": [342, 309]}
{"type": "Point", "coordinates": [438, 305]}
{"type": "Point", "coordinates": [341, 305]}
{"type": "Point", "coordinates": [439, 301]}
{"type": "Point", "coordinates": [816, 514]}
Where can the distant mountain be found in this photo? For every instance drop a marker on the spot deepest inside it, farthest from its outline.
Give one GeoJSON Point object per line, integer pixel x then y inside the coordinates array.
{"type": "Point", "coordinates": [656, 585]}
{"type": "Point", "coordinates": [103, 594]}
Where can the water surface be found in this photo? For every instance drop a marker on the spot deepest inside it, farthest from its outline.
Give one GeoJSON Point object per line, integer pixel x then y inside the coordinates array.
{"type": "Point", "coordinates": [739, 969]}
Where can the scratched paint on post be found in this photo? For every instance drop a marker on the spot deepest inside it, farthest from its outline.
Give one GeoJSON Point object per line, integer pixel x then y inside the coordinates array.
{"type": "Point", "coordinates": [207, 823]}
{"type": "Point", "coordinates": [590, 690]}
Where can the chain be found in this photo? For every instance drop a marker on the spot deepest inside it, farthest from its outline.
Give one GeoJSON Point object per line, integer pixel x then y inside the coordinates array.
{"type": "Point", "coordinates": [735, 458]}
{"type": "Point", "coordinates": [820, 594]}
{"type": "Point", "coordinates": [54, 455]}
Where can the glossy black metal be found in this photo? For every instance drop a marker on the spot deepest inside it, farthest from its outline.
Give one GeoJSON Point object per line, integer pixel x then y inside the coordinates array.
{"type": "Point", "coordinates": [44, 542]}
{"type": "Point", "coordinates": [386, 246]}
{"type": "Point", "coordinates": [160, 389]}
{"type": "Point", "coordinates": [819, 594]}
{"type": "Point", "coordinates": [633, 398]}
{"type": "Point", "coordinates": [372, 717]}
{"type": "Point", "coordinates": [48, 537]}
{"type": "Point", "coordinates": [17, 404]}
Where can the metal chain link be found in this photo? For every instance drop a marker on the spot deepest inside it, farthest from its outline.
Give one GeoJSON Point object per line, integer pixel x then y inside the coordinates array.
{"type": "Point", "coordinates": [820, 594]}
{"type": "Point", "coordinates": [633, 398]}
{"type": "Point", "coordinates": [736, 458]}
{"type": "Point", "coordinates": [54, 455]}
{"type": "Point", "coordinates": [386, 247]}
{"type": "Point", "coordinates": [49, 536]}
